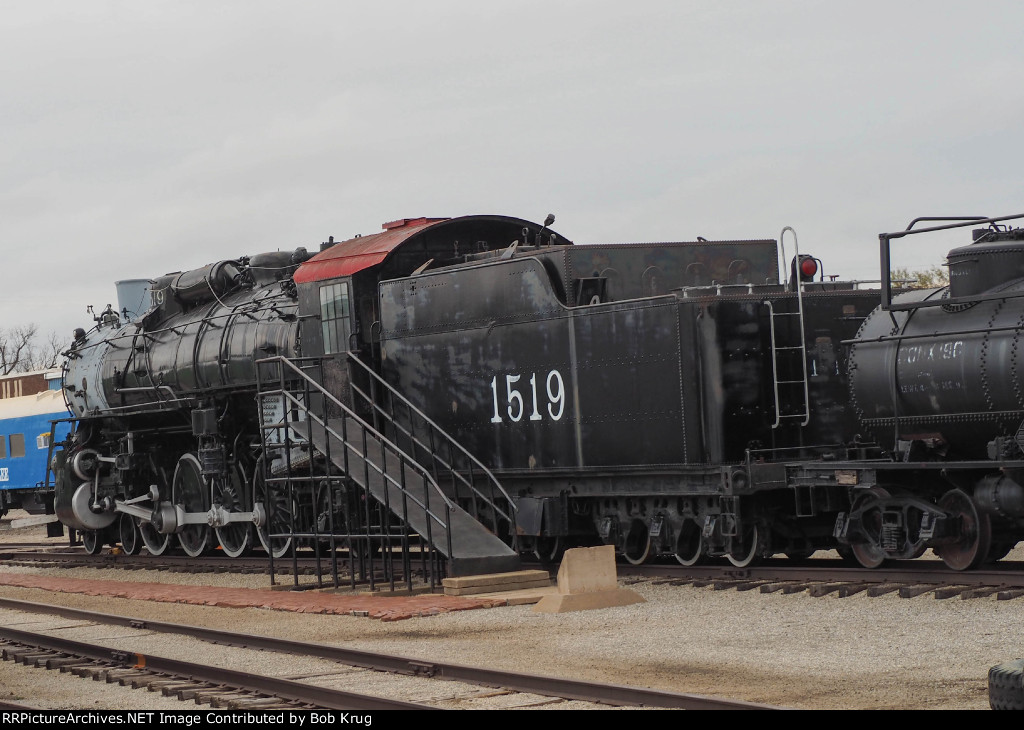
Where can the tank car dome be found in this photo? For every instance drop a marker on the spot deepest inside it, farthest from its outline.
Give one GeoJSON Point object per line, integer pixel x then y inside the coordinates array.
{"type": "Point", "coordinates": [995, 258]}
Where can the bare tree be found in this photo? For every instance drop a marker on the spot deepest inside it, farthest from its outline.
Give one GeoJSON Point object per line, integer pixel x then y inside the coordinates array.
{"type": "Point", "coordinates": [20, 353]}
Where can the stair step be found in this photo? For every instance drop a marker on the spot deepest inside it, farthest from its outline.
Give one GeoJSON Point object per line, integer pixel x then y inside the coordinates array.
{"type": "Point", "coordinates": [496, 582]}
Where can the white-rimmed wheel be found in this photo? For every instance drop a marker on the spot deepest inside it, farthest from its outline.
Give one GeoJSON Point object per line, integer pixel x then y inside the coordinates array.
{"type": "Point", "coordinates": [278, 515]}
{"type": "Point", "coordinates": [128, 533]}
{"type": "Point", "coordinates": [235, 537]}
{"type": "Point", "coordinates": [637, 549]}
{"type": "Point", "coordinates": [689, 544]}
{"type": "Point", "coordinates": [155, 541]}
{"type": "Point", "coordinates": [189, 489]}
{"type": "Point", "coordinates": [92, 542]}
{"type": "Point", "coordinates": [747, 550]}
{"type": "Point", "coordinates": [549, 549]}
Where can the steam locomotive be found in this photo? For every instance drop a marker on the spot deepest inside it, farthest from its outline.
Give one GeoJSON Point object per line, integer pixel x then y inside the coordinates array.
{"type": "Point", "coordinates": [488, 388]}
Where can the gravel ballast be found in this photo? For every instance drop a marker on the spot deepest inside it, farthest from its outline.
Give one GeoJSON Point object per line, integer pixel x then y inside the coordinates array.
{"type": "Point", "coordinates": [792, 650]}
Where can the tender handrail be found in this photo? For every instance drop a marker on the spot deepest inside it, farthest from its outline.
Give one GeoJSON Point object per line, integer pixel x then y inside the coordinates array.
{"type": "Point", "coordinates": [474, 462]}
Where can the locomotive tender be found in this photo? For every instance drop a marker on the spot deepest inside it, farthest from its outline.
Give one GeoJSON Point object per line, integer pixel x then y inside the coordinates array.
{"type": "Point", "coordinates": [673, 399]}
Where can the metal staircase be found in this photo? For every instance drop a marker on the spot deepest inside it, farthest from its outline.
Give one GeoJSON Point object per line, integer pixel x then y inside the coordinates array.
{"type": "Point", "coordinates": [374, 476]}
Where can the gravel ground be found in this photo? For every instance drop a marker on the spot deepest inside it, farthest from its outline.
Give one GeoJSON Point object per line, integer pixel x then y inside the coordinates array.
{"type": "Point", "coordinates": [790, 650]}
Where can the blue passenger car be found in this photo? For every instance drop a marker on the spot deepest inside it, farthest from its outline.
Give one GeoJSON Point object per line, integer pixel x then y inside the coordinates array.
{"type": "Point", "coordinates": [28, 404]}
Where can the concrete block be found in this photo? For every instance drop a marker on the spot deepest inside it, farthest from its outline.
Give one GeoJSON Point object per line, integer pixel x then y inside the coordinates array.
{"type": "Point", "coordinates": [587, 570]}
{"type": "Point", "coordinates": [566, 602]}
{"type": "Point", "coordinates": [587, 579]}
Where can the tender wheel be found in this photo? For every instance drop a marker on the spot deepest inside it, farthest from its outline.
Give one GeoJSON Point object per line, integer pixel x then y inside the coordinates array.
{"type": "Point", "coordinates": [91, 541]}
{"type": "Point", "coordinates": [189, 489]}
{"type": "Point", "coordinates": [870, 554]}
{"type": "Point", "coordinates": [750, 551]}
{"type": "Point", "coordinates": [1006, 686]}
{"type": "Point", "coordinates": [156, 542]}
{"type": "Point", "coordinates": [128, 533]}
{"type": "Point", "coordinates": [638, 543]}
{"type": "Point", "coordinates": [999, 550]}
{"type": "Point", "coordinates": [235, 537]}
{"type": "Point", "coordinates": [690, 544]}
{"type": "Point", "coordinates": [975, 535]}
{"type": "Point", "coordinates": [278, 512]}
{"type": "Point", "coordinates": [549, 549]}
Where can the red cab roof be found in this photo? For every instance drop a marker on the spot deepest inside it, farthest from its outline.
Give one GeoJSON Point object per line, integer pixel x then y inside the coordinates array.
{"type": "Point", "coordinates": [354, 255]}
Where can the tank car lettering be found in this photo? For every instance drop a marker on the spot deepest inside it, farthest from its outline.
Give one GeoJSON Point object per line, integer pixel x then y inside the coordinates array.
{"type": "Point", "coordinates": [911, 355]}
{"type": "Point", "coordinates": [4, 474]}
{"type": "Point", "coordinates": [516, 405]}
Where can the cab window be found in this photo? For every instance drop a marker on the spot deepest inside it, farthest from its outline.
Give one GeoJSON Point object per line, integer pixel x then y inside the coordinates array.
{"type": "Point", "coordinates": [334, 317]}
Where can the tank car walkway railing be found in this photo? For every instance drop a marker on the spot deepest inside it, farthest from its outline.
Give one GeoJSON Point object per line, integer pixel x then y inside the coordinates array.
{"type": "Point", "coordinates": [302, 414]}
{"type": "Point", "coordinates": [472, 484]}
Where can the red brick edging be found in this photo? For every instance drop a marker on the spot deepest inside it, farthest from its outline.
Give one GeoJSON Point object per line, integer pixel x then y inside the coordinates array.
{"type": "Point", "coordinates": [385, 608]}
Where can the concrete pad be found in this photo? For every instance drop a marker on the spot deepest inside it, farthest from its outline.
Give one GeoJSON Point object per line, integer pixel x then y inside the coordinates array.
{"type": "Point", "coordinates": [520, 597]}
{"type": "Point", "coordinates": [566, 602]}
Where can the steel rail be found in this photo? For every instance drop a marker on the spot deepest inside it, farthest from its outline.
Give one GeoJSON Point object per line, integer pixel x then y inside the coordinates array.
{"type": "Point", "coordinates": [570, 689]}
{"type": "Point", "coordinates": [288, 690]}
{"type": "Point", "coordinates": [907, 571]}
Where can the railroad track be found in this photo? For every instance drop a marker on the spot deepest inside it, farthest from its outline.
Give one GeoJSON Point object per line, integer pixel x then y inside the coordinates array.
{"type": "Point", "coordinates": [188, 681]}
{"type": "Point", "coordinates": [908, 579]}
{"type": "Point", "coordinates": [228, 688]}
{"type": "Point", "coordinates": [816, 577]}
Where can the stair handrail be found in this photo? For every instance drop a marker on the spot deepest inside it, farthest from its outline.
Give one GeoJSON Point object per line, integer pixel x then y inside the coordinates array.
{"type": "Point", "coordinates": [429, 482]}
{"type": "Point", "coordinates": [474, 461]}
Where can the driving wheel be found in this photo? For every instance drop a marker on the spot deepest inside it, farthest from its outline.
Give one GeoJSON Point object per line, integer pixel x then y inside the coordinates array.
{"type": "Point", "coordinates": [189, 489]}
{"type": "Point", "coordinates": [278, 521]}
{"type": "Point", "coordinates": [91, 541]}
{"type": "Point", "coordinates": [235, 537]}
{"type": "Point", "coordinates": [128, 533]}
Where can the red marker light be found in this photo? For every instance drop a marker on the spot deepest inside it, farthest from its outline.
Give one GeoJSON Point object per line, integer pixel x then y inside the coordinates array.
{"type": "Point", "coordinates": [808, 268]}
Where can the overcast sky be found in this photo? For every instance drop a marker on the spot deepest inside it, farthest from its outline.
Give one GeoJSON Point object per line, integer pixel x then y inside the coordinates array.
{"type": "Point", "coordinates": [143, 137]}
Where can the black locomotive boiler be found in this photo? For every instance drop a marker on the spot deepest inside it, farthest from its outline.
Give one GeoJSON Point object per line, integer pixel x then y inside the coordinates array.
{"type": "Point", "coordinates": [483, 387]}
